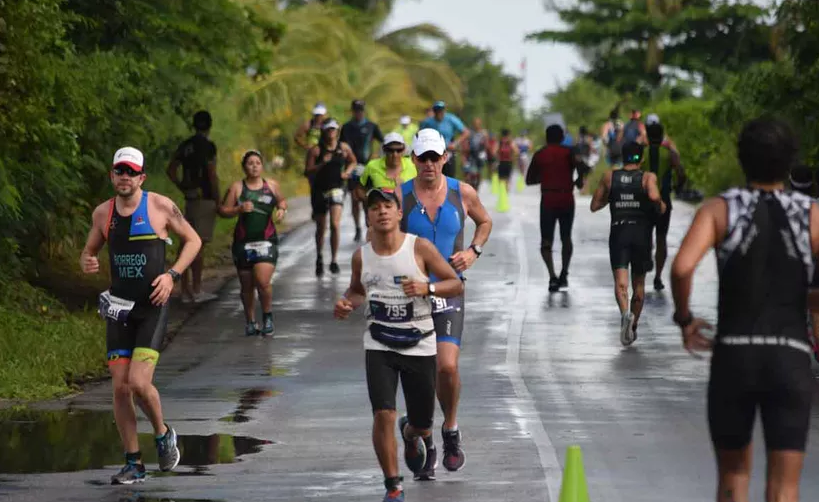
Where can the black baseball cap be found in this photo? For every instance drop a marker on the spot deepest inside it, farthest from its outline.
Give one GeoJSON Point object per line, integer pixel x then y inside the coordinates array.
{"type": "Point", "coordinates": [358, 104]}
{"type": "Point", "coordinates": [387, 194]}
{"type": "Point", "coordinates": [632, 152]}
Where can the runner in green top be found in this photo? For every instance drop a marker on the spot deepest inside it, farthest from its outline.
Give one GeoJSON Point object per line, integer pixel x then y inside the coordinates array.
{"type": "Point", "coordinates": [259, 203]}
{"type": "Point", "coordinates": [407, 131]}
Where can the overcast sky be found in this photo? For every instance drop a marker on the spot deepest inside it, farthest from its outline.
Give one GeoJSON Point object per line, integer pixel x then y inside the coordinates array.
{"type": "Point", "coordinates": [500, 25]}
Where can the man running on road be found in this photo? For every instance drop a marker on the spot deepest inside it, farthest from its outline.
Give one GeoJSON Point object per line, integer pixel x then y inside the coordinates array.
{"type": "Point", "coordinates": [407, 131]}
{"type": "Point", "coordinates": [435, 207]}
{"type": "Point", "coordinates": [135, 224]}
{"type": "Point", "coordinates": [448, 125]}
{"type": "Point", "coordinates": [309, 132]}
{"type": "Point", "coordinates": [477, 155]}
{"type": "Point", "coordinates": [391, 277]}
{"type": "Point", "coordinates": [634, 197]}
{"type": "Point", "coordinates": [765, 239]}
{"type": "Point", "coordinates": [553, 167]}
{"type": "Point", "coordinates": [359, 133]}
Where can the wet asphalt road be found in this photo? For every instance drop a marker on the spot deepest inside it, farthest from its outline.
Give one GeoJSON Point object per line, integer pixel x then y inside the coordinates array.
{"type": "Point", "coordinates": [540, 372]}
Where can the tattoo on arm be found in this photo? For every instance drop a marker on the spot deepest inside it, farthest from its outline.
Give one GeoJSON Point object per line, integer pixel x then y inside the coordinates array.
{"type": "Point", "coordinates": [176, 212]}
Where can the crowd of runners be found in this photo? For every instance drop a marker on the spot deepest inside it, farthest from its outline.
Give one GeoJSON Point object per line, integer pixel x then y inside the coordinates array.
{"type": "Point", "coordinates": [410, 211]}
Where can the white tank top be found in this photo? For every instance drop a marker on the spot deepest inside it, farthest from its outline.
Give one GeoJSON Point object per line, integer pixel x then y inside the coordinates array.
{"type": "Point", "coordinates": [386, 301]}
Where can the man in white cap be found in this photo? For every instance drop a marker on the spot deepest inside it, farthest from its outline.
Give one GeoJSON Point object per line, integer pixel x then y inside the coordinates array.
{"type": "Point", "coordinates": [407, 130]}
{"type": "Point", "coordinates": [308, 133]}
{"type": "Point", "coordinates": [435, 207]}
{"type": "Point", "coordinates": [135, 224]}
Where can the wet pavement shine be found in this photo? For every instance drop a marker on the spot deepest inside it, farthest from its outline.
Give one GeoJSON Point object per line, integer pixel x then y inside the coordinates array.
{"type": "Point", "coordinates": [288, 418]}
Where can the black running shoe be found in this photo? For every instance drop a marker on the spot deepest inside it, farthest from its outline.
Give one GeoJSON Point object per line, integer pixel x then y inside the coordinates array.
{"type": "Point", "coordinates": [334, 269]}
{"type": "Point", "coordinates": [428, 472]}
{"type": "Point", "coordinates": [415, 451]}
{"type": "Point", "coordinates": [319, 267]}
{"type": "Point", "coordinates": [554, 285]}
{"type": "Point", "coordinates": [131, 473]}
{"type": "Point", "coordinates": [563, 282]}
{"type": "Point", "coordinates": [454, 457]}
{"type": "Point", "coordinates": [357, 235]}
{"type": "Point", "coordinates": [658, 284]}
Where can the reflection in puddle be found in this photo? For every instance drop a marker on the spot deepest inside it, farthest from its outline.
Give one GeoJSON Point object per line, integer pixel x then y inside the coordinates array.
{"type": "Point", "coordinates": [63, 441]}
{"type": "Point", "coordinates": [248, 401]}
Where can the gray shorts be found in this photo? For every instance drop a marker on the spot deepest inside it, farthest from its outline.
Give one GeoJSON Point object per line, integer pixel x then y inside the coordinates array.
{"type": "Point", "coordinates": [201, 214]}
{"type": "Point", "coordinates": [448, 317]}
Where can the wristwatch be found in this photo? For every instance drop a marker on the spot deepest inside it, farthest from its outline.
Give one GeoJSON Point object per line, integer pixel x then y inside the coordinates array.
{"type": "Point", "coordinates": [477, 249]}
{"type": "Point", "coordinates": [431, 288]}
{"type": "Point", "coordinates": [174, 274]}
{"type": "Point", "coordinates": [683, 322]}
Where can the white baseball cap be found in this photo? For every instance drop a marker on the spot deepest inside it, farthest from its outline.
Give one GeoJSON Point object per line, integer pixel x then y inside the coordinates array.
{"type": "Point", "coordinates": [653, 119]}
{"type": "Point", "coordinates": [320, 109]}
{"type": "Point", "coordinates": [393, 137]}
{"type": "Point", "coordinates": [405, 120]}
{"type": "Point", "coordinates": [331, 124]}
{"type": "Point", "coordinates": [129, 156]}
{"type": "Point", "coordinates": [428, 140]}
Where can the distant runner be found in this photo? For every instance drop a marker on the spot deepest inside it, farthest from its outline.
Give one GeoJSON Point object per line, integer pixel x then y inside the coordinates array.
{"type": "Point", "coordinates": [407, 129]}
{"type": "Point", "coordinates": [477, 155]}
{"type": "Point", "coordinates": [259, 204]}
{"type": "Point", "coordinates": [612, 135]}
{"type": "Point", "coordinates": [634, 198]}
{"type": "Point", "coordinates": [524, 145]}
{"type": "Point", "coordinates": [448, 125]}
{"type": "Point", "coordinates": [435, 207]}
{"type": "Point", "coordinates": [507, 153]}
{"type": "Point", "coordinates": [135, 225]}
{"type": "Point", "coordinates": [765, 239]}
{"type": "Point", "coordinates": [309, 132]}
{"type": "Point", "coordinates": [391, 276]}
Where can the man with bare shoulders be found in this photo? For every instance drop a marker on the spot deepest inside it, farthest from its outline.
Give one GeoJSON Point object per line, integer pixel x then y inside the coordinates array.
{"type": "Point", "coordinates": [765, 239]}
{"type": "Point", "coordinates": [135, 225]}
{"type": "Point", "coordinates": [635, 198]}
{"type": "Point", "coordinates": [435, 207]}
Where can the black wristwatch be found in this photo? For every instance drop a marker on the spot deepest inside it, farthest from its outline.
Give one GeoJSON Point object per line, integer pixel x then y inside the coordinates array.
{"type": "Point", "coordinates": [683, 322]}
{"type": "Point", "coordinates": [174, 274]}
{"type": "Point", "coordinates": [477, 249]}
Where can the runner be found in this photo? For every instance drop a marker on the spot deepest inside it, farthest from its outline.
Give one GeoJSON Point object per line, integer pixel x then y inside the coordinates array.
{"type": "Point", "coordinates": [359, 133]}
{"type": "Point", "coordinates": [635, 130]}
{"type": "Point", "coordinates": [634, 196]}
{"type": "Point", "coordinates": [554, 167]}
{"type": "Point", "coordinates": [612, 136]}
{"type": "Point", "coordinates": [135, 224]}
{"type": "Point", "coordinates": [435, 207]}
{"type": "Point", "coordinates": [329, 163]}
{"type": "Point", "coordinates": [765, 239]}
{"type": "Point", "coordinates": [664, 162]}
{"type": "Point", "coordinates": [200, 186]}
{"type": "Point", "coordinates": [392, 277]}
{"type": "Point", "coordinates": [524, 145]}
{"type": "Point", "coordinates": [309, 132]}
{"type": "Point", "coordinates": [259, 203]}
{"type": "Point", "coordinates": [506, 153]}
{"type": "Point", "coordinates": [585, 149]}
{"type": "Point", "coordinates": [448, 125]}
{"type": "Point", "coordinates": [407, 130]}
{"type": "Point", "coordinates": [802, 180]}
{"type": "Point", "coordinates": [477, 154]}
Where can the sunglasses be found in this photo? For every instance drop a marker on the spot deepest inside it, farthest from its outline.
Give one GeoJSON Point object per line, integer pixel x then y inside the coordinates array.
{"type": "Point", "coordinates": [121, 169]}
{"type": "Point", "coordinates": [394, 150]}
{"type": "Point", "coordinates": [429, 156]}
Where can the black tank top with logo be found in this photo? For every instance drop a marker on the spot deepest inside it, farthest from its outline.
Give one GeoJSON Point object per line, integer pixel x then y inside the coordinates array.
{"type": "Point", "coordinates": [328, 176]}
{"type": "Point", "coordinates": [136, 253]}
{"type": "Point", "coordinates": [628, 200]}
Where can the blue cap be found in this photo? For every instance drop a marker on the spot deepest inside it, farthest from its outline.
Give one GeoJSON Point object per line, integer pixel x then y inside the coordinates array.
{"type": "Point", "coordinates": [438, 104]}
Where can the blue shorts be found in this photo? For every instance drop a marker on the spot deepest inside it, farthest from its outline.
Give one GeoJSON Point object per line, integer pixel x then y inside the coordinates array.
{"type": "Point", "coordinates": [448, 317]}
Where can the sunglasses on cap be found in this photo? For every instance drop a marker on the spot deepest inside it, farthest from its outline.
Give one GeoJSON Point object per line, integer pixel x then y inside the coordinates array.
{"type": "Point", "coordinates": [125, 169]}
{"type": "Point", "coordinates": [429, 156]}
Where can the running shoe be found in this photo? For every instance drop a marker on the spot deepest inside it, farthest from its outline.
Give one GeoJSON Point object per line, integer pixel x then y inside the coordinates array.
{"type": "Point", "coordinates": [251, 329]}
{"type": "Point", "coordinates": [319, 267]}
{"type": "Point", "coordinates": [167, 450]}
{"type": "Point", "coordinates": [395, 495]}
{"type": "Point", "coordinates": [554, 285]}
{"type": "Point", "coordinates": [563, 282]}
{"type": "Point", "coordinates": [428, 472]}
{"type": "Point", "coordinates": [131, 473]}
{"type": "Point", "coordinates": [454, 457]}
{"type": "Point", "coordinates": [334, 269]}
{"type": "Point", "coordinates": [415, 451]}
{"type": "Point", "coordinates": [268, 328]}
{"type": "Point", "coordinates": [626, 334]}
{"type": "Point", "coordinates": [357, 235]}
{"type": "Point", "coordinates": [658, 284]}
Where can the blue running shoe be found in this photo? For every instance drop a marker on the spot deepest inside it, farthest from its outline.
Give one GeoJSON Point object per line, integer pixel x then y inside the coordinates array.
{"type": "Point", "coordinates": [130, 474]}
{"type": "Point", "coordinates": [396, 495]}
{"type": "Point", "coordinates": [267, 325]}
{"type": "Point", "coordinates": [251, 329]}
{"type": "Point", "coordinates": [415, 451]}
{"type": "Point", "coordinates": [167, 450]}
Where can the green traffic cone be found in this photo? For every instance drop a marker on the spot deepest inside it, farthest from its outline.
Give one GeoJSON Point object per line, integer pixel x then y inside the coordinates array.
{"type": "Point", "coordinates": [503, 198]}
{"type": "Point", "coordinates": [495, 181]}
{"type": "Point", "coordinates": [573, 487]}
{"type": "Point", "coordinates": [521, 183]}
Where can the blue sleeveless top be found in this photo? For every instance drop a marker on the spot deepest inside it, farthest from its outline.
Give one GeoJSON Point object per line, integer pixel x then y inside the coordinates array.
{"type": "Point", "coordinates": [447, 231]}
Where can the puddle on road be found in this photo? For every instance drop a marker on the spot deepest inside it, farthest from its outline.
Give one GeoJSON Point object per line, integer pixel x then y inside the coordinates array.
{"type": "Point", "coordinates": [141, 498]}
{"type": "Point", "coordinates": [248, 401]}
{"type": "Point", "coordinates": [64, 441]}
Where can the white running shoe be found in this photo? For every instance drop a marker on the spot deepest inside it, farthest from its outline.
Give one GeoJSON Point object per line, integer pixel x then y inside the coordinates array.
{"type": "Point", "coordinates": [626, 334]}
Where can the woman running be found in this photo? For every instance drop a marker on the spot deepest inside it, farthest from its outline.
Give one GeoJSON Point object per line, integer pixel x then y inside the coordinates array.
{"type": "Point", "coordinates": [506, 153]}
{"type": "Point", "coordinates": [259, 204]}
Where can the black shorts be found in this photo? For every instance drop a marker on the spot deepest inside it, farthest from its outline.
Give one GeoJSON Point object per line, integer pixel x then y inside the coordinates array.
{"type": "Point", "coordinates": [321, 201]}
{"type": "Point", "coordinates": [504, 170]}
{"type": "Point", "coordinates": [777, 380]}
{"type": "Point", "coordinates": [140, 338]}
{"type": "Point", "coordinates": [549, 218]}
{"type": "Point", "coordinates": [630, 246]}
{"type": "Point", "coordinates": [417, 374]}
{"type": "Point", "coordinates": [448, 317]}
{"type": "Point", "coordinates": [244, 258]}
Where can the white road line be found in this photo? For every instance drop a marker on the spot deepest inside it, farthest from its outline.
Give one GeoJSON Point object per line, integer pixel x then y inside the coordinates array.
{"type": "Point", "coordinates": [534, 426]}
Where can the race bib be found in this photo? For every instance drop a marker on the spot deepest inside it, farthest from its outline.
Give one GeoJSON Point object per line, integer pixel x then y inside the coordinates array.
{"type": "Point", "coordinates": [335, 196]}
{"type": "Point", "coordinates": [384, 312]}
{"type": "Point", "coordinates": [358, 171]}
{"type": "Point", "coordinates": [445, 305]}
{"type": "Point", "coordinates": [114, 308]}
{"type": "Point", "coordinates": [265, 199]}
{"type": "Point", "coordinates": [257, 250]}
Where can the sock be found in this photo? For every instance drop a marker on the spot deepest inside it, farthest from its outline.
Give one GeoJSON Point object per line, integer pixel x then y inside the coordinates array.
{"type": "Point", "coordinates": [133, 458]}
{"type": "Point", "coordinates": [451, 429]}
{"type": "Point", "coordinates": [391, 484]}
